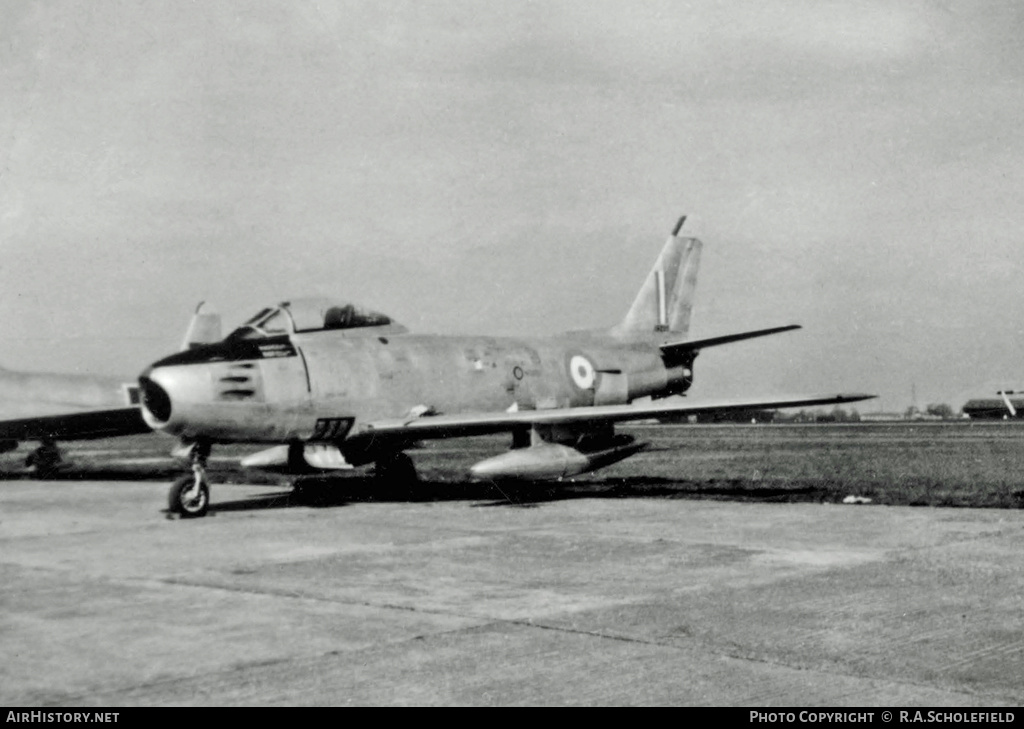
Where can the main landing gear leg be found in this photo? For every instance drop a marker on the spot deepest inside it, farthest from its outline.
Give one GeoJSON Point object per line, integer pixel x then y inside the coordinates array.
{"type": "Point", "coordinates": [45, 459]}
{"type": "Point", "coordinates": [396, 470]}
{"type": "Point", "coordinates": [190, 495]}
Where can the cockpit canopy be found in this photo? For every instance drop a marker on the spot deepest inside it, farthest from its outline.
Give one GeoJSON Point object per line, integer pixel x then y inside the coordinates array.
{"type": "Point", "coordinates": [311, 315]}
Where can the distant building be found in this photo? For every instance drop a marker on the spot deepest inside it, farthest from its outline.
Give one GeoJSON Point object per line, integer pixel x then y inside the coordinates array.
{"type": "Point", "coordinates": [740, 416]}
{"type": "Point", "coordinates": [881, 417]}
{"type": "Point", "coordinates": [735, 416]}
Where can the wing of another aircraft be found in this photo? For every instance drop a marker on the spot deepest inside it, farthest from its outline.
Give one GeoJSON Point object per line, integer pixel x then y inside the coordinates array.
{"type": "Point", "coordinates": [467, 424]}
{"type": "Point", "coordinates": [76, 426]}
{"type": "Point", "coordinates": [48, 408]}
{"type": "Point", "coordinates": [51, 407]}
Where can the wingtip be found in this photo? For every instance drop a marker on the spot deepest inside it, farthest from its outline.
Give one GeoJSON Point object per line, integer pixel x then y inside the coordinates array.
{"type": "Point", "coordinates": [856, 396]}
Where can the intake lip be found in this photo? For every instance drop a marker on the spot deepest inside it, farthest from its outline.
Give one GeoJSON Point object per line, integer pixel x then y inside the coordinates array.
{"type": "Point", "coordinates": [156, 403]}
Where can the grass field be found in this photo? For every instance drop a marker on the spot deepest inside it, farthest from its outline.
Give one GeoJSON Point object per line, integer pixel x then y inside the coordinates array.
{"type": "Point", "coordinates": [922, 464]}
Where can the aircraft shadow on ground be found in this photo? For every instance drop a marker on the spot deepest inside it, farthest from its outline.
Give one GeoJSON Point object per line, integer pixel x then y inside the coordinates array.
{"type": "Point", "coordinates": [337, 492]}
{"type": "Point", "coordinates": [75, 473]}
{"type": "Point", "coordinates": [132, 473]}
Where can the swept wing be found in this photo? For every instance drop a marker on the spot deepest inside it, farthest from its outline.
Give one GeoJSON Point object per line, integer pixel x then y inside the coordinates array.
{"type": "Point", "coordinates": [467, 424]}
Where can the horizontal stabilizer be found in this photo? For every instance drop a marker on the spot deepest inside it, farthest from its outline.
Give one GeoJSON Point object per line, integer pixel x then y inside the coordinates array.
{"type": "Point", "coordinates": [671, 350]}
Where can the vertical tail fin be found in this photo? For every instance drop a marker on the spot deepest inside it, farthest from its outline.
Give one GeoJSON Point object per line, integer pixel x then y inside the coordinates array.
{"type": "Point", "coordinates": [665, 300]}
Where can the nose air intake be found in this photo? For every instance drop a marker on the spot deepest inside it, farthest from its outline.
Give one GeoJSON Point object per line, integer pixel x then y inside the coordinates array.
{"type": "Point", "coordinates": [156, 403]}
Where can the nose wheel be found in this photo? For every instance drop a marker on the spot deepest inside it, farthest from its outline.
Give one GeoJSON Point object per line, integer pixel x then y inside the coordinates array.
{"type": "Point", "coordinates": [189, 496]}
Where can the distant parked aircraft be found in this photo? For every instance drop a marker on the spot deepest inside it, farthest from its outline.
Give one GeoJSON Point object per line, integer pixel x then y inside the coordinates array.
{"type": "Point", "coordinates": [50, 407]}
{"type": "Point", "coordinates": [340, 386]}
{"type": "Point", "coordinates": [1002, 408]}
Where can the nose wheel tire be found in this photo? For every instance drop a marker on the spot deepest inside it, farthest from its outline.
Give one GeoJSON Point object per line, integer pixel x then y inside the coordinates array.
{"type": "Point", "coordinates": [189, 496]}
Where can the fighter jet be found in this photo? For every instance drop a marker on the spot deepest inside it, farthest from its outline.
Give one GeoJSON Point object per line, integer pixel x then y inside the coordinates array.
{"type": "Point", "coordinates": [335, 386]}
{"type": "Point", "coordinates": [1004, 408]}
{"type": "Point", "coordinates": [51, 407]}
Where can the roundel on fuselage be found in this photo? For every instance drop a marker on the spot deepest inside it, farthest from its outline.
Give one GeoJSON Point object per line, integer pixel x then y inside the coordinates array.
{"type": "Point", "coordinates": [582, 372]}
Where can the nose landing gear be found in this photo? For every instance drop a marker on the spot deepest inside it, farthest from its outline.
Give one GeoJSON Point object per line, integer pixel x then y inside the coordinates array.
{"type": "Point", "coordinates": [189, 496]}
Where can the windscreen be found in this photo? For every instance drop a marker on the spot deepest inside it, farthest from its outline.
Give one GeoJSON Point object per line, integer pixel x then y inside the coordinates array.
{"type": "Point", "coordinates": [268, 323]}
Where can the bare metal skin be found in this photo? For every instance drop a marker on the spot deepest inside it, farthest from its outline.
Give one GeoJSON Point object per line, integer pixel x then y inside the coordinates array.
{"type": "Point", "coordinates": [337, 386]}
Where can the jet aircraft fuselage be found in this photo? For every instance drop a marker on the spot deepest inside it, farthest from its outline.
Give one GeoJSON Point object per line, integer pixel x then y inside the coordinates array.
{"type": "Point", "coordinates": [326, 384]}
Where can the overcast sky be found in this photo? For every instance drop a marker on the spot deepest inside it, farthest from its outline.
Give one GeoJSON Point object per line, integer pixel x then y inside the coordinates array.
{"type": "Point", "coordinates": [514, 168]}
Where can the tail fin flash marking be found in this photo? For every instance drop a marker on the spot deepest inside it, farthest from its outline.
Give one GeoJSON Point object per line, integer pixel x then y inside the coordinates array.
{"type": "Point", "coordinates": [665, 301]}
{"type": "Point", "coordinates": [662, 303]}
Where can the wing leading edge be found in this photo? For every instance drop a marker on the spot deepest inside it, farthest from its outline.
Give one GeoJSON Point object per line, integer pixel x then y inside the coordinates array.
{"type": "Point", "coordinates": [468, 424]}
